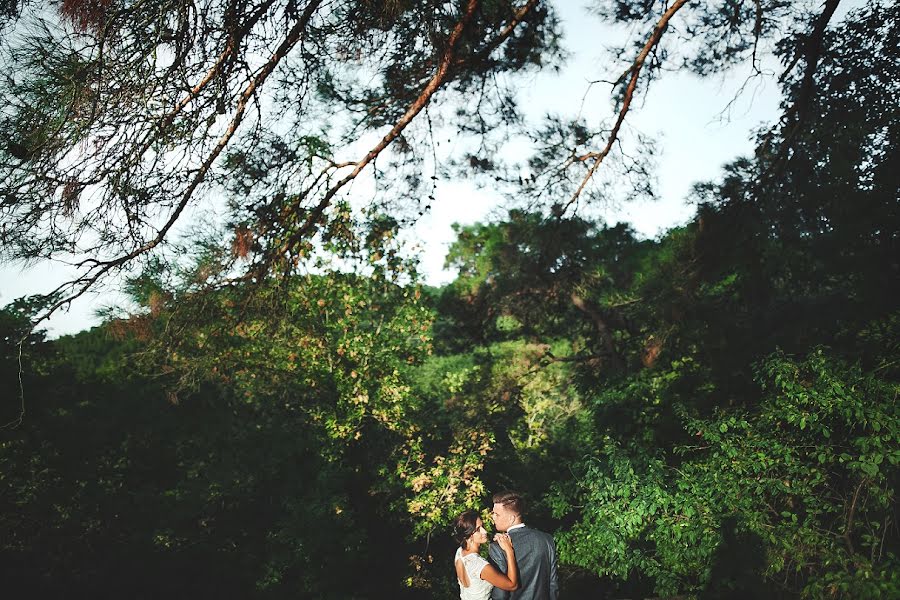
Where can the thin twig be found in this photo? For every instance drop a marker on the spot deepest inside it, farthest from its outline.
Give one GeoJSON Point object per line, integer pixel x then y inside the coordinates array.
{"type": "Point", "coordinates": [18, 421]}
{"type": "Point", "coordinates": [851, 515]}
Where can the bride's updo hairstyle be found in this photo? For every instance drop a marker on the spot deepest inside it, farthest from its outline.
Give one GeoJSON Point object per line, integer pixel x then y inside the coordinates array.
{"type": "Point", "coordinates": [464, 527]}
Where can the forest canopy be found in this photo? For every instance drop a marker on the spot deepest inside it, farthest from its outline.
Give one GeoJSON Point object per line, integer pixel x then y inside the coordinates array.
{"type": "Point", "coordinates": [121, 118]}
{"type": "Point", "coordinates": [709, 414]}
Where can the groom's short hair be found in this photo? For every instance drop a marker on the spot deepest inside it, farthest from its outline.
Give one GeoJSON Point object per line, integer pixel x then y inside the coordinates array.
{"type": "Point", "coordinates": [511, 500]}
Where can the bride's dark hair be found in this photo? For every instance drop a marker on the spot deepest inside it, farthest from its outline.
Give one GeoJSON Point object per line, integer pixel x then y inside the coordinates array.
{"type": "Point", "coordinates": [464, 527]}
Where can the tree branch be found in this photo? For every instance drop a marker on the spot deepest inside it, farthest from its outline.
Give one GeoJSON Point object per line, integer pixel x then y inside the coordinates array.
{"type": "Point", "coordinates": [757, 32]}
{"type": "Point", "coordinates": [440, 77]}
{"type": "Point", "coordinates": [635, 71]}
{"type": "Point", "coordinates": [851, 515]}
{"type": "Point", "coordinates": [83, 283]}
{"type": "Point", "coordinates": [795, 116]}
{"type": "Point", "coordinates": [603, 328]}
{"type": "Point", "coordinates": [507, 31]}
{"type": "Point", "coordinates": [812, 51]}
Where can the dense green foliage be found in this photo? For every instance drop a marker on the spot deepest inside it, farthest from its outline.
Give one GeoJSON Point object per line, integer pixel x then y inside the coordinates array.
{"type": "Point", "coordinates": [711, 414]}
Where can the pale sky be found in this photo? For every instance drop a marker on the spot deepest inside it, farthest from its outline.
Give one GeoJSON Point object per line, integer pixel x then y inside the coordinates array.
{"type": "Point", "coordinates": [682, 112]}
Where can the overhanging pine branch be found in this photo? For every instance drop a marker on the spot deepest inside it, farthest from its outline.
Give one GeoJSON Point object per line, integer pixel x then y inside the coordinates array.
{"type": "Point", "coordinates": [635, 70]}
{"type": "Point", "coordinates": [80, 286]}
{"type": "Point", "coordinates": [440, 77]}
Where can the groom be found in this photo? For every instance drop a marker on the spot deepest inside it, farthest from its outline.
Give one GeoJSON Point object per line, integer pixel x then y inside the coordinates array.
{"type": "Point", "coordinates": [535, 552]}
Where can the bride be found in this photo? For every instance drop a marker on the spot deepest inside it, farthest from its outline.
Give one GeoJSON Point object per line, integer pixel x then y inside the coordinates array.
{"type": "Point", "coordinates": [476, 576]}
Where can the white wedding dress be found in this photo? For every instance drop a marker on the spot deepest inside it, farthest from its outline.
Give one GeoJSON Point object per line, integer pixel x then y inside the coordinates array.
{"type": "Point", "coordinates": [478, 589]}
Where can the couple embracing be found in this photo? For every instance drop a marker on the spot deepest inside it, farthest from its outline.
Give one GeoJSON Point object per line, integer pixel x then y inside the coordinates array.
{"type": "Point", "coordinates": [522, 562]}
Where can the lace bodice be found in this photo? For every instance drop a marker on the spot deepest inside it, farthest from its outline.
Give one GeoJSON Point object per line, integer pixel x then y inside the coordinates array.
{"type": "Point", "coordinates": [478, 589]}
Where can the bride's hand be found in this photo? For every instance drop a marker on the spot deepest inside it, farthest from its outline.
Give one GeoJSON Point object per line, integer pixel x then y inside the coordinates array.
{"type": "Point", "coordinates": [504, 541]}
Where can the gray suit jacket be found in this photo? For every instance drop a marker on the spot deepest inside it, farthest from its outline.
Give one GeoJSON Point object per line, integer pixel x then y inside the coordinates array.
{"type": "Point", "coordinates": [536, 559]}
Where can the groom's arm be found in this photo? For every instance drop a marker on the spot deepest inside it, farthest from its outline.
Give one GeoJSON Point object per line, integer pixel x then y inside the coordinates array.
{"type": "Point", "coordinates": [554, 576]}
{"type": "Point", "coordinates": [498, 559]}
